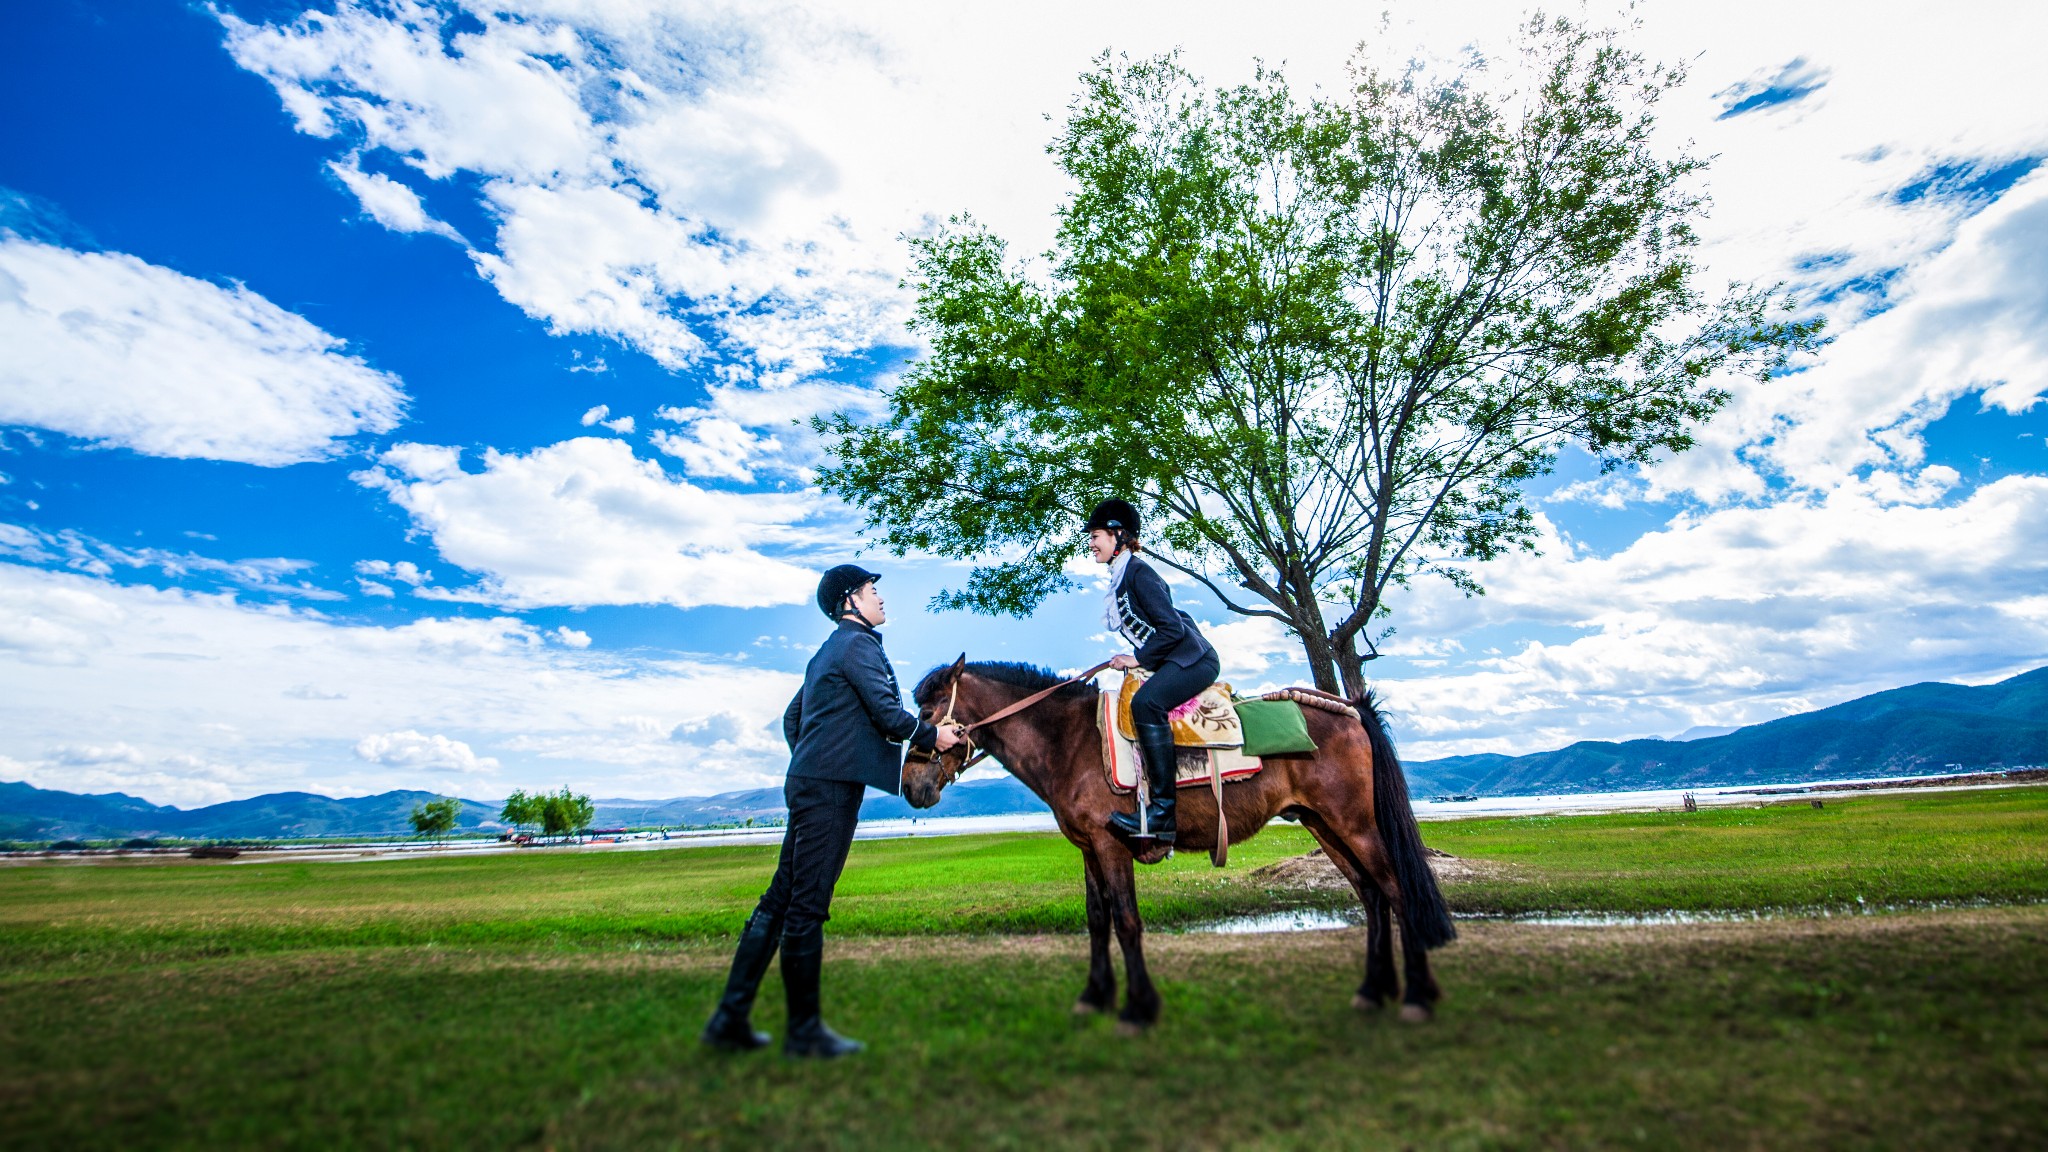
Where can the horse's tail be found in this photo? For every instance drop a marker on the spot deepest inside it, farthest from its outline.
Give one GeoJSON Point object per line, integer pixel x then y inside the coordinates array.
{"type": "Point", "coordinates": [1423, 902]}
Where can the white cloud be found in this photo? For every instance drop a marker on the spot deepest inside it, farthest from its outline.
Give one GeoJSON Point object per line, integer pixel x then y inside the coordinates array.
{"type": "Point", "coordinates": [719, 439]}
{"type": "Point", "coordinates": [1971, 319]}
{"type": "Point", "coordinates": [192, 698]}
{"type": "Point", "coordinates": [585, 522]}
{"type": "Point", "coordinates": [409, 749]}
{"type": "Point", "coordinates": [570, 637]}
{"type": "Point", "coordinates": [83, 553]}
{"type": "Point", "coordinates": [82, 755]}
{"type": "Point", "coordinates": [622, 425]}
{"type": "Point", "coordinates": [1736, 616]}
{"type": "Point", "coordinates": [1250, 646]}
{"type": "Point", "coordinates": [635, 158]}
{"type": "Point", "coordinates": [715, 448]}
{"type": "Point", "coordinates": [127, 354]}
{"type": "Point", "coordinates": [404, 571]}
{"type": "Point", "coordinates": [388, 202]}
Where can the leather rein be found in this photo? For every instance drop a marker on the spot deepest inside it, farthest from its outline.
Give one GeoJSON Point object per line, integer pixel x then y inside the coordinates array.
{"type": "Point", "coordinates": [979, 754]}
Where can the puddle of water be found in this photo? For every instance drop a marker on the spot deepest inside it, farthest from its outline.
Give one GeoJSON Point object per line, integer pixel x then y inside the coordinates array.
{"type": "Point", "coordinates": [1632, 919]}
{"type": "Point", "coordinates": [1625, 920]}
{"type": "Point", "coordinates": [1298, 920]}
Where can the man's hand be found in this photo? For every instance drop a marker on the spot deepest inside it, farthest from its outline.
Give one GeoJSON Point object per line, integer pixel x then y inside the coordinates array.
{"type": "Point", "coordinates": [1123, 662]}
{"type": "Point", "coordinates": [949, 735]}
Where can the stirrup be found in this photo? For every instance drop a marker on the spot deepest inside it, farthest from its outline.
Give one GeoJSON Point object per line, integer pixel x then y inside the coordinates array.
{"type": "Point", "coordinates": [1139, 845]}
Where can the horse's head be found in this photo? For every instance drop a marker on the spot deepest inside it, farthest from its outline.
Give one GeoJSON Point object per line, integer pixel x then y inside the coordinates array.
{"type": "Point", "coordinates": [926, 774]}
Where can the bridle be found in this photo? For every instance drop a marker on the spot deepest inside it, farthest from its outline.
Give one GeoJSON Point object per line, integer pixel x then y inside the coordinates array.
{"type": "Point", "coordinates": [977, 755]}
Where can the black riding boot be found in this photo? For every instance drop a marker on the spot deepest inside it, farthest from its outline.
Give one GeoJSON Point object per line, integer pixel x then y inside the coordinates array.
{"type": "Point", "coordinates": [730, 1028]}
{"type": "Point", "coordinates": [803, 962]}
{"type": "Point", "coordinates": [1155, 747]}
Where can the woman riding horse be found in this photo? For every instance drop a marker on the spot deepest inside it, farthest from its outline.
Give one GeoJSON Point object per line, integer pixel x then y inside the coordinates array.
{"type": "Point", "coordinates": [1168, 646]}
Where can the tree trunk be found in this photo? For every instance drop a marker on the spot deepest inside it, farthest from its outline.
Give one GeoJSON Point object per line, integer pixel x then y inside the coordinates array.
{"type": "Point", "coordinates": [1350, 665]}
{"type": "Point", "coordinates": [1322, 658]}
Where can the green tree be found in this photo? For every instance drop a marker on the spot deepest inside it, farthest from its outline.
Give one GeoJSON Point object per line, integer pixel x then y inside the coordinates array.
{"type": "Point", "coordinates": [565, 813]}
{"type": "Point", "coordinates": [1321, 343]}
{"type": "Point", "coordinates": [436, 818]}
{"type": "Point", "coordinates": [521, 809]}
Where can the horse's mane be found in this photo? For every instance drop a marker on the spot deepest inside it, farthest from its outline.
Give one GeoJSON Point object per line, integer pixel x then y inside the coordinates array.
{"type": "Point", "coordinates": [1029, 677]}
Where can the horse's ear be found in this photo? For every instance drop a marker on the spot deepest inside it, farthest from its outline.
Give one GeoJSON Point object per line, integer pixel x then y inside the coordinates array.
{"type": "Point", "coordinates": [959, 666]}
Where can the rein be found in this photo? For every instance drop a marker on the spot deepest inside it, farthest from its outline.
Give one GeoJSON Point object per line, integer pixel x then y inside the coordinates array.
{"type": "Point", "coordinates": [980, 754]}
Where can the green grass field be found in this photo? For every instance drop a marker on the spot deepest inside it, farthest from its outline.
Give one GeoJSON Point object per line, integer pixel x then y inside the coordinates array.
{"type": "Point", "coordinates": [552, 999]}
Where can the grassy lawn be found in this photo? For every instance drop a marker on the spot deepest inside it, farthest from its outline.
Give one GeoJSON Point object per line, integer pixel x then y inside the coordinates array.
{"type": "Point", "coordinates": [552, 1000]}
{"type": "Point", "coordinates": [1942, 847]}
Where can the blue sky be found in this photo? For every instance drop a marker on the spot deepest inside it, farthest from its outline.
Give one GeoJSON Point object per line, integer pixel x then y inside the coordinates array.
{"type": "Point", "coordinates": [411, 395]}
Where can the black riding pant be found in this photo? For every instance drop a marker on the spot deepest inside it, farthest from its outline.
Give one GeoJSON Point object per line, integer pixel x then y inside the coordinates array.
{"type": "Point", "coordinates": [822, 816]}
{"type": "Point", "coordinates": [1172, 686]}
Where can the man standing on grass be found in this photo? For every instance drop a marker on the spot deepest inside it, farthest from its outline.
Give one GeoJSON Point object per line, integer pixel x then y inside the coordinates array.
{"type": "Point", "coordinates": [843, 729]}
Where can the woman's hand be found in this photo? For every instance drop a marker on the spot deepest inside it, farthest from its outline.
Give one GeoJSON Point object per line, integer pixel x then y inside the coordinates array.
{"type": "Point", "coordinates": [949, 735]}
{"type": "Point", "coordinates": [1123, 662]}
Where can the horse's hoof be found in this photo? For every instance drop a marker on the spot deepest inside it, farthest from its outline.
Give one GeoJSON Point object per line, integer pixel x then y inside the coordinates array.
{"type": "Point", "coordinates": [1365, 1003]}
{"type": "Point", "coordinates": [1131, 1028]}
{"type": "Point", "coordinates": [1416, 1014]}
{"type": "Point", "coordinates": [1084, 1008]}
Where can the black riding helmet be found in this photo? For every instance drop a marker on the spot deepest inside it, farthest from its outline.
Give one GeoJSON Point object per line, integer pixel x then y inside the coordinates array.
{"type": "Point", "coordinates": [837, 583]}
{"type": "Point", "coordinates": [1114, 515]}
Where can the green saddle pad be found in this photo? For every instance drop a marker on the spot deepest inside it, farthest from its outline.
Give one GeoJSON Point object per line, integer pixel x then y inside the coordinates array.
{"type": "Point", "coordinates": [1273, 727]}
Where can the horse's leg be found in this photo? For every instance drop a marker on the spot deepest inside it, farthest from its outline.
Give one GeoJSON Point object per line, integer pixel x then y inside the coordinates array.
{"type": "Point", "coordinates": [1380, 984]}
{"type": "Point", "coordinates": [1100, 994]}
{"type": "Point", "coordinates": [1423, 993]}
{"type": "Point", "coordinates": [1360, 841]}
{"type": "Point", "coordinates": [1120, 894]}
{"type": "Point", "coordinates": [1380, 981]}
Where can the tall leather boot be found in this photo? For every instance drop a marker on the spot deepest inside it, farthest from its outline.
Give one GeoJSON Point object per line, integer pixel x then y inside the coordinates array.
{"type": "Point", "coordinates": [730, 1027]}
{"type": "Point", "coordinates": [803, 963]}
{"type": "Point", "coordinates": [1155, 747]}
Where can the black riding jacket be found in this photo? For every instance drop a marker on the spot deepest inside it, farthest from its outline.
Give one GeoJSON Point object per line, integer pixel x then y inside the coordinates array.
{"type": "Point", "coordinates": [1162, 632]}
{"type": "Point", "coordinates": [848, 722]}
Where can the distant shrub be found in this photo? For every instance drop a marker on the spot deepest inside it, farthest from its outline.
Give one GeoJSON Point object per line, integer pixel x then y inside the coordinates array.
{"type": "Point", "coordinates": [68, 846]}
{"type": "Point", "coordinates": [565, 812]}
{"type": "Point", "coordinates": [142, 842]}
{"type": "Point", "coordinates": [436, 818]}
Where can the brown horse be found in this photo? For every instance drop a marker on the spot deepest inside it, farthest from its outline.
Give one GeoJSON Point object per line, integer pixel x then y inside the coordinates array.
{"type": "Point", "coordinates": [1350, 794]}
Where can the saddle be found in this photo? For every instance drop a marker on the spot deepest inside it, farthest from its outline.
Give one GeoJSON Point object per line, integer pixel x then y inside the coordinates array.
{"type": "Point", "coordinates": [1208, 721]}
{"type": "Point", "coordinates": [1216, 736]}
{"type": "Point", "coordinates": [1193, 765]}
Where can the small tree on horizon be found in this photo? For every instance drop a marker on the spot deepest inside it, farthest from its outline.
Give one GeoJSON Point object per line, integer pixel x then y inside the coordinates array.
{"type": "Point", "coordinates": [521, 809]}
{"type": "Point", "coordinates": [1321, 343]}
{"type": "Point", "coordinates": [436, 818]}
{"type": "Point", "coordinates": [565, 813]}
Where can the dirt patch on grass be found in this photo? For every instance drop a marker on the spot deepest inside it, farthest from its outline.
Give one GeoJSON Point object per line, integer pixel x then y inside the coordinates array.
{"type": "Point", "coordinates": [1476, 939]}
{"type": "Point", "coordinates": [1315, 873]}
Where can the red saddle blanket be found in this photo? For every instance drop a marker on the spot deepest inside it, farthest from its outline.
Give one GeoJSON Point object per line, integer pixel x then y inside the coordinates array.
{"type": "Point", "coordinates": [1120, 760]}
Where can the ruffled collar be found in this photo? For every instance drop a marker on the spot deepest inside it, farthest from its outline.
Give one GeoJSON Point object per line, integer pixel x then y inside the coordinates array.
{"type": "Point", "coordinates": [1110, 616]}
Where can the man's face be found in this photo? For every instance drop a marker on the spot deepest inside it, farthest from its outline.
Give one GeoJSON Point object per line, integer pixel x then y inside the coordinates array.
{"type": "Point", "coordinates": [867, 600]}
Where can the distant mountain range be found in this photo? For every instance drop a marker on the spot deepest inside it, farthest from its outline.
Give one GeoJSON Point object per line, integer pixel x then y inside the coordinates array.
{"type": "Point", "coordinates": [1921, 730]}
{"type": "Point", "coordinates": [33, 815]}
{"type": "Point", "coordinates": [1924, 729]}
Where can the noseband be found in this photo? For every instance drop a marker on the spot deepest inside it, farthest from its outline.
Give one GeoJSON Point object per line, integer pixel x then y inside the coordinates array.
{"type": "Point", "coordinates": [976, 755]}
